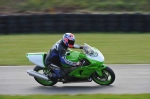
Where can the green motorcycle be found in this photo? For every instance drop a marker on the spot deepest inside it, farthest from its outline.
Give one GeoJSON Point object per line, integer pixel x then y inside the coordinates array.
{"type": "Point", "coordinates": [92, 67]}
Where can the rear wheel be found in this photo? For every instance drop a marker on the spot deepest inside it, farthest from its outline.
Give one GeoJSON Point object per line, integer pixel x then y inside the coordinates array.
{"type": "Point", "coordinates": [41, 81]}
{"type": "Point", "coordinates": [107, 78]}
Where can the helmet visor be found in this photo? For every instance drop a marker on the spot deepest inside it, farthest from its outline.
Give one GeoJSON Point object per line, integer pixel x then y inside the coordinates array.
{"type": "Point", "coordinates": [70, 43]}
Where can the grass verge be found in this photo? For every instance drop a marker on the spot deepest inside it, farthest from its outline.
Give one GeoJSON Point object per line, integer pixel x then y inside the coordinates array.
{"type": "Point", "coordinates": [54, 6]}
{"type": "Point", "coordinates": [93, 96]}
{"type": "Point", "coordinates": [118, 48]}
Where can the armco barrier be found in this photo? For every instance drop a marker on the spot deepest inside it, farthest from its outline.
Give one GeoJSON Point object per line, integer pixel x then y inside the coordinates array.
{"type": "Point", "coordinates": [74, 23]}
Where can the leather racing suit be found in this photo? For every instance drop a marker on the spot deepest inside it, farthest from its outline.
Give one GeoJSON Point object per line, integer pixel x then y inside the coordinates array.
{"type": "Point", "coordinates": [56, 56]}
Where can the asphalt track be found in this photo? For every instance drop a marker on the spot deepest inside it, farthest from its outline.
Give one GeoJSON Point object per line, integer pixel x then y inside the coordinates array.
{"type": "Point", "coordinates": [130, 79]}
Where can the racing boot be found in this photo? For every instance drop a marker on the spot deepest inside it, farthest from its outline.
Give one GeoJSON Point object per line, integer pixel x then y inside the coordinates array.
{"type": "Point", "coordinates": [52, 77]}
{"type": "Point", "coordinates": [58, 73]}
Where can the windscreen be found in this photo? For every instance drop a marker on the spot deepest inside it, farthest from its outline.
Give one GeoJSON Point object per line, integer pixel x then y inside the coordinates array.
{"type": "Point", "coordinates": [89, 50]}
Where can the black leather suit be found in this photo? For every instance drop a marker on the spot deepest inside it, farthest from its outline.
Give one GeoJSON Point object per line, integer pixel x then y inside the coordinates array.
{"type": "Point", "coordinates": [56, 55]}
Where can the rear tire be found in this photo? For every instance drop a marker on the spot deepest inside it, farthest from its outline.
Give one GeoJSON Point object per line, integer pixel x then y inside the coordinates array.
{"type": "Point", "coordinates": [43, 82]}
{"type": "Point", "coordinates": [107, 78]}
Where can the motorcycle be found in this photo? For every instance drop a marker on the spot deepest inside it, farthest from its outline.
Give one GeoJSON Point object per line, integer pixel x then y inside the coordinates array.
{"type": "Point", "coordinates": [92, 67]}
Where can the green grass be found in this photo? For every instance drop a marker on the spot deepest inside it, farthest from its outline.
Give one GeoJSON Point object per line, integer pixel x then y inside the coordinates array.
{"type": "Point", "coordinates": [54, 6]}
{"type": "Point", "coordinates": [116, 48]}
{"type": "Point", "coordinates": [93, 96]}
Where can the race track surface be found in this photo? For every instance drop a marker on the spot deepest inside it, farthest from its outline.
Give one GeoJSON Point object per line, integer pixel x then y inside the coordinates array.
{"type": "Point", "coordinates": [130, 79]}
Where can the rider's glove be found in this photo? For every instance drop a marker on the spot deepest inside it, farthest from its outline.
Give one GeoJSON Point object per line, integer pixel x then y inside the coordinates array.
{"type": "Point", "coordinates": [81, 46]}
{"type": "Point", "coordinates": [78, 63]}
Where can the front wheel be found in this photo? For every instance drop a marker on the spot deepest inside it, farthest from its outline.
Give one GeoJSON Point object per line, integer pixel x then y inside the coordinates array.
{"type": "Point", "coordinates": [107, 78]}
{"type": "Point", "coordinates": [41, 81]}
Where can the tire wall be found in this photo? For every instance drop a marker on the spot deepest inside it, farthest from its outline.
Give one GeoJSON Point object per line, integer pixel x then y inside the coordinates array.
{"type": "Point", "coordinates": [49, 23]}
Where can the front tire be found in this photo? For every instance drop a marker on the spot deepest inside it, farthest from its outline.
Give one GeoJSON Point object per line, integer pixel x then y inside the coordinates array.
{"type": "Point", "coordinates": [41, 81]}
{"type": "Point", "coordinates": [107, 78]}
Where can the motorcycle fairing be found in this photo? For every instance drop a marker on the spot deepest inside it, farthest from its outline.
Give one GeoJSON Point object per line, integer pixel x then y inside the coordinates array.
{"type": "Point", "coordinates": [37, 58]}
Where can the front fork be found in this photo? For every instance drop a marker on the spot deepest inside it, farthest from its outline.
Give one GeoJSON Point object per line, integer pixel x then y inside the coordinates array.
{"type": "Point", "coordinates": [99, 70]}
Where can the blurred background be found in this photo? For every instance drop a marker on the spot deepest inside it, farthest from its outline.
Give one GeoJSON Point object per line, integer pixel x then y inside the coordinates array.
{"type": "Point", "coordinates": [73, 6]}
{"type": "Point", "coordinates": [118, 28]}
{"type": "Point", "coordinates": [36, 16]}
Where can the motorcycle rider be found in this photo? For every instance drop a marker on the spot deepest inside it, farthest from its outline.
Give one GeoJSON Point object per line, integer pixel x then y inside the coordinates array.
{"type": "Point", "coordinates": [56, 56]}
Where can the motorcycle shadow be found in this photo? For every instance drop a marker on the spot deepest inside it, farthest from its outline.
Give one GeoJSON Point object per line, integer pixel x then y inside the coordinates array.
{"type": "Point", "coordinates": [71, 89]}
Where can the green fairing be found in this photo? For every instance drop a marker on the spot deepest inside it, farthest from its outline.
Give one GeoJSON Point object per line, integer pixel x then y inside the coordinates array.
{"type": "Point", "coordinates": [87, 71]}
{"type": "Point", "coordinates": [74, 57]}
{"type": "Point", "coordinates": [83, 71]}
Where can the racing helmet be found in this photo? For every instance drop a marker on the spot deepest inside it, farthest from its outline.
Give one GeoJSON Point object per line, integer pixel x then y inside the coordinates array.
{"type": "Point", "coordinates": [68, 39]}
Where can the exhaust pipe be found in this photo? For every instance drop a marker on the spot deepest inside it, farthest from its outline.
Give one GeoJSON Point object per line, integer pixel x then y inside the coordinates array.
{"type": "Point", "coordinates": [37, 75]}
